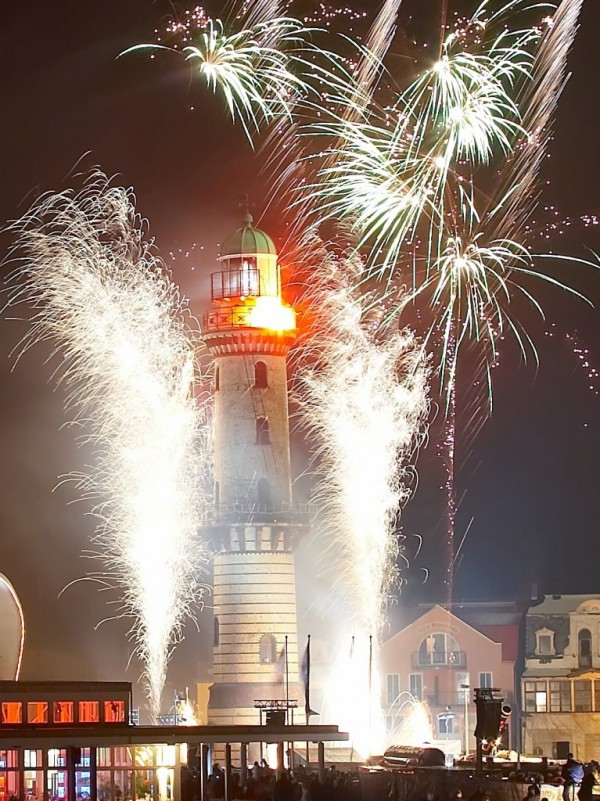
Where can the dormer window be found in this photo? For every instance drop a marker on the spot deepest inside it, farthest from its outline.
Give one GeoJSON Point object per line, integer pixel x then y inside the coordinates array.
{"type": "Point", "coordinates": [544, 642]}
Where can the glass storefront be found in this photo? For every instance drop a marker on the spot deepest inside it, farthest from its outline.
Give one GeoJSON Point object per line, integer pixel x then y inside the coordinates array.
{"type": "Point", "coordinates": [123, 773]}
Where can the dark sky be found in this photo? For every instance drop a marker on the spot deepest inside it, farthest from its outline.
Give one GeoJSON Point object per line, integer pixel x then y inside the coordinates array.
{"type": "Point", "coordinates": [530, 480]}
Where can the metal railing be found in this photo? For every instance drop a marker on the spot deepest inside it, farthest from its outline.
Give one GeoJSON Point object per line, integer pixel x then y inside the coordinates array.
{"type": "Point", "coordinates": [298, 513]}
{"type": "Point", "coordinates": [450, 659]}
{"type": "Point", "coordinates": [235, 284]}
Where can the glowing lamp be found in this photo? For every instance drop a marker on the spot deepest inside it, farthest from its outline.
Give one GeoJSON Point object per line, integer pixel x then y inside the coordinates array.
{"type": "Point", "coordinates": [270, 313]}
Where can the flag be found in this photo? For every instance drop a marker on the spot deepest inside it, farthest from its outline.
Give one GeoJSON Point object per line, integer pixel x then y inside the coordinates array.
{"type": "Point", "coordinates": [305, 673]}
{"type": "Point", "coordinates": [280, 667]}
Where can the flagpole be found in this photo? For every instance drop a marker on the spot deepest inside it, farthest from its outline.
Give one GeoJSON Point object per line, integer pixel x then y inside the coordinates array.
{"type": "Point", "coordinates": [287, 682]}
{"type": "Point", "coordinates": [370, 690]}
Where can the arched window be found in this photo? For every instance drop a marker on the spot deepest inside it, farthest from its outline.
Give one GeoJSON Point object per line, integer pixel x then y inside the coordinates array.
{"type": "Point", "coordinates": [585, 648]}
{"type": "Point", "coordinates": [216, 631]}
{"type": "Point", "coordinates": [440, 649]}
{"type": "Point", "coordinates": [263, 436]}
{"type": "Point", "coordinates": [217, 379]}
{"type": "Point", "coordinates": [260, 375]}
{"type": "Point", "coordinates": [267, 649]}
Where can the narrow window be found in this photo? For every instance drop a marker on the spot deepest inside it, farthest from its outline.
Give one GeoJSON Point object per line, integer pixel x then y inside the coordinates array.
{"type": "Point", "coordinates": [263, 436]}
{"type": "Point", "coordinates": [585, 648]}
{"type": "Point", "coordinates": [216, 631]}
{"type": "Point", "coordinates": [260, 375]}
{"type": "Point", "coordinates": [393, 688]}
{"type": "Point", "coordinates": [485, 680]}
{"type": "Point", "coordinates": [217, 379]}
{"type": "Point", "coordinates": [415, 685]}
{"type": "Point", "coordinates": [267, 649]}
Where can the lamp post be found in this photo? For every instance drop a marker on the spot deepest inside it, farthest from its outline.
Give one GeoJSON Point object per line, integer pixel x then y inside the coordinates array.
{"type": "Point", "coordinates": [465, 688]}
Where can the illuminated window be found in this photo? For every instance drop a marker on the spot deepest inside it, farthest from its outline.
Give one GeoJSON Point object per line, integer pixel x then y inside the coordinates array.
{"type": "Point", "coordinates": [260, 375]}
{"type": "Point", "coordinates": [114, 711]}
{"type": "Point", "coordinates": [63, 712]}
{"type": "Point", "coordinates": [37, 712]}
{"type": "Point", "coordinates": [267, 649]}
{"type": "Point", "coordinates": [89, 712]}
{"type": "Point", "coordinates": [12, 712]}
{"type": "Point", "coordinates": [263, 436]}
{"type": "Point", "coordinates": [536, 696]}
{"type": "Point", "coordinates": [32, 758]}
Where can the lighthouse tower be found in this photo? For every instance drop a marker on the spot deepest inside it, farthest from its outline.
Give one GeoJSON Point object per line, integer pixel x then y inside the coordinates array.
{"type": "Point", "coordinates": [248, 330]}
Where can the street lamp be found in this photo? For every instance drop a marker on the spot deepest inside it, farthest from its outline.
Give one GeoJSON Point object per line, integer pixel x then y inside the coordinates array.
{"type": "Point", "coordinates": [465, 688]}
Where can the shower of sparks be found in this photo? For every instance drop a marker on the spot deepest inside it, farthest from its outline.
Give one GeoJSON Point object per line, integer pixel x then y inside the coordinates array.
{"type": "Point", "coordinates": [409, 722]}
{"type": "Point", "coordinates": [356, 674]}
{"type": "Point", "coordinates": [364, 401]}
{"type": "Point", "coordinates": [119, 326]}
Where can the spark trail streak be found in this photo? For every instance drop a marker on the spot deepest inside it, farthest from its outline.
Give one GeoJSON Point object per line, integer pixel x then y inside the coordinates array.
{"type": "Point", "coordinates": [120, 327]}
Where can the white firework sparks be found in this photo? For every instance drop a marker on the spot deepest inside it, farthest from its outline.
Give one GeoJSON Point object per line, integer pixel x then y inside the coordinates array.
{"type": "Point", "coordinates": [120, 327]}
{"type": "Point", "coordinates": [364, 402]}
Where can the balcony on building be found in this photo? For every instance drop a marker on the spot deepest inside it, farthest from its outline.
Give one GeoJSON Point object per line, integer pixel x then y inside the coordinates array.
{"type": "Point", "coordinates": [439, 659]}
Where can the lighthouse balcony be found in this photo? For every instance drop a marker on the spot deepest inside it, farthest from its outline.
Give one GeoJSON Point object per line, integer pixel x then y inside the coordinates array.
{"type": "Point", "coordinates": [229, 317]}
{"type": "Point", "coordinates": [260, 513]}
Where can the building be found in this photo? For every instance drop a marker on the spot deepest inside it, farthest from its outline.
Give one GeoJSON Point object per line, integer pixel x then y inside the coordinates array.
{"type": "Point", "coordinates": [560, 687]}
{"type": "Point", "coordinates": [437, 658]}
{"type": "Point", "coordinates": [70, 741]}
{"type": "Point", "coordinates": [254, 526]}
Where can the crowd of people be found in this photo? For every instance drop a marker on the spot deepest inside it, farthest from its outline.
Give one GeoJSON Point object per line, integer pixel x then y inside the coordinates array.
{"type": "Point", "coordinates": [262, 783]}
{"type": "Point", "coordinates": [265, 784]}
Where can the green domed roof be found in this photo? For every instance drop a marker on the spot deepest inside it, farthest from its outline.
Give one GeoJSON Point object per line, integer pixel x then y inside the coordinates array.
{"type": "Point", "coordinates": [248, 240]}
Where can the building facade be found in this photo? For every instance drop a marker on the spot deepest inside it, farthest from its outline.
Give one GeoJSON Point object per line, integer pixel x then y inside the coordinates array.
{"type": "Point", "coordinates": [433, 664]}
{"type": "Point", "coordinates": [248, 331]}
{"type": "Point", "coordinates": [560, 687]}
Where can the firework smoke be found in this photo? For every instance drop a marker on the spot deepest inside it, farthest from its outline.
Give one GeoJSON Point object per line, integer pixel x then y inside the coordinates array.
{"type": "Point", "coordinates": [120, 329]}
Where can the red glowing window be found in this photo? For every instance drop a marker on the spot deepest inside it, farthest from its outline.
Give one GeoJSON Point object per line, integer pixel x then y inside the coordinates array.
{"type": "Point", "coordinates": [114, 712]}
{"type": "Point", "coordinates": [63, 712]}
{"type": "Point", "coordinates": [89, 712]}
{"type": "Point", "coordinates": [12, 712]}
{"type": "Point", "coordinates": [37, 712]}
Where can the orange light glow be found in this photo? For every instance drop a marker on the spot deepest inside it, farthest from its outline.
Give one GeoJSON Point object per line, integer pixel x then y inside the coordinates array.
{"type": "Point", "coordinates": [270, 313]}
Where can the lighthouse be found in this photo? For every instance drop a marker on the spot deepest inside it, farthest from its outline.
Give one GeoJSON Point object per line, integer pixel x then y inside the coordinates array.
{"type": "Point", "coordinates": [248, 330]}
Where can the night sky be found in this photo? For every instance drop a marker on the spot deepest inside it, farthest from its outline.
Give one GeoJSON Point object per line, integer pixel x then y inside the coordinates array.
{"type": "Point", "coordinates": [530, 479]}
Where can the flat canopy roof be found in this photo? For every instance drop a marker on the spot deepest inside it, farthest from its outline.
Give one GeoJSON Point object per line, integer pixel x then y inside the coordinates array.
{"type": "Point", "coordinates": [82, 736]}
